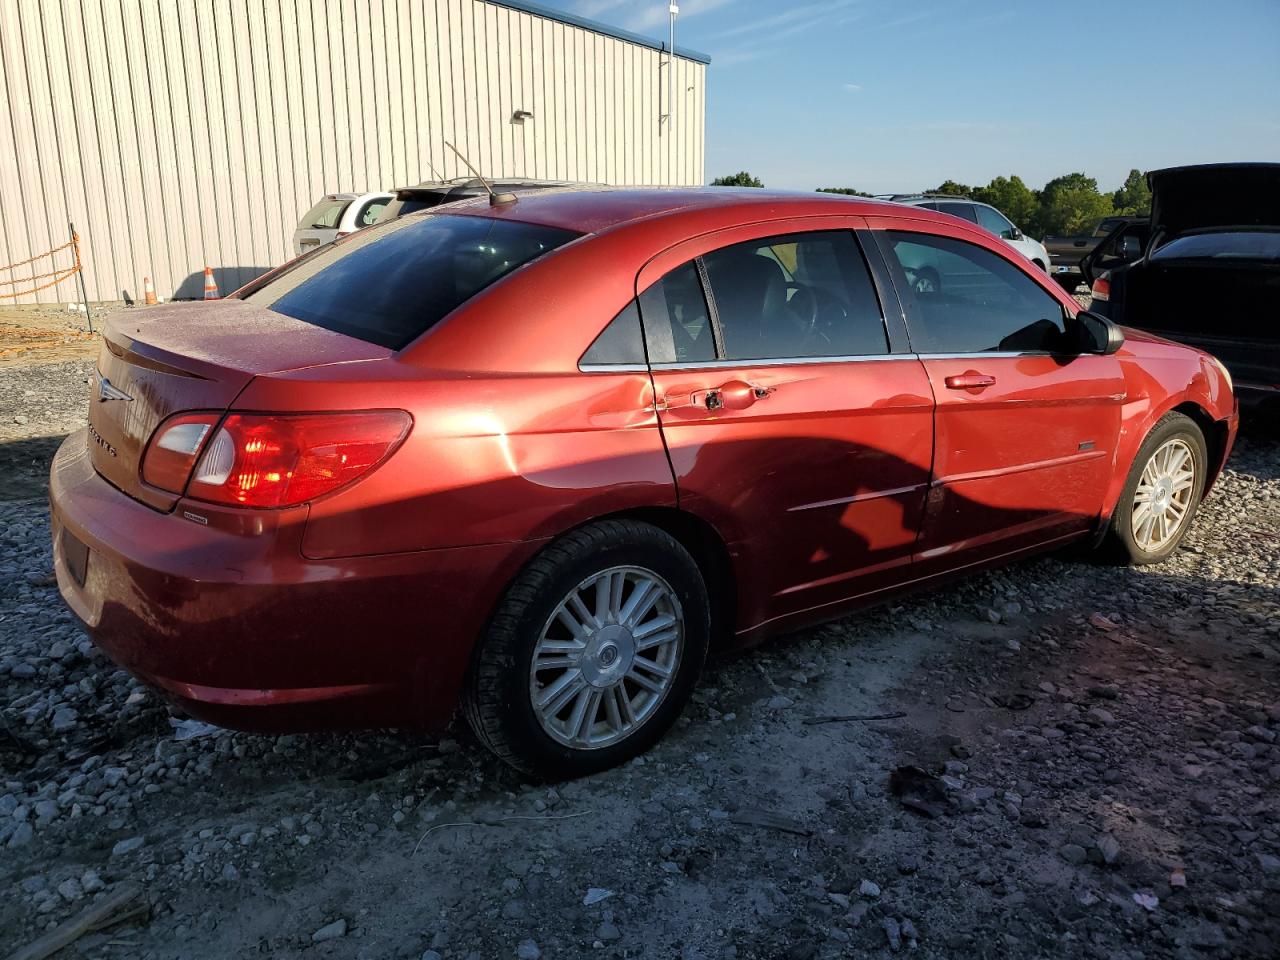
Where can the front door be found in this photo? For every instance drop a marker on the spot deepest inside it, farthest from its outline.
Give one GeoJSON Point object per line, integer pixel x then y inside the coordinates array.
{"type": "Point", "coordinates": [794, 425]}
{"type": "Point", "coordinates": [1026, 425]}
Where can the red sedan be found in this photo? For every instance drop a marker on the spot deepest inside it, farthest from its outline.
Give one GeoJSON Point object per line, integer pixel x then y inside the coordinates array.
{"type": "Point", "coordinates": [538, 457]}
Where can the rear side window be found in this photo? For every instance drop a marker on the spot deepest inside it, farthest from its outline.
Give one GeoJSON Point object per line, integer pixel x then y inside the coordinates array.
{"type": "Point", "coordinates": [963, 210]}
{"type": "Point", "coordinates": [799, 295]}
{"type": "Point", "coordinates": [390, 284]}
{"type": "Point", "coordinates": [966, 299]}
{"type": "Point", "coordinates": [371, 212]}
{"type": "Point", "coordinates": [324, 215]}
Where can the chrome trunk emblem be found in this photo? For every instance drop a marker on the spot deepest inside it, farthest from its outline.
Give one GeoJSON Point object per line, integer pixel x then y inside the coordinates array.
{"type": "Point", "coordinates": [107, 392]}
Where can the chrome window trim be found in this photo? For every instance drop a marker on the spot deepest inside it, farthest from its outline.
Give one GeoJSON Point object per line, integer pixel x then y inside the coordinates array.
{"type": "Point", "coordinates": [796, 361]}
{"type": "Point", "coordinates": [613, 367]}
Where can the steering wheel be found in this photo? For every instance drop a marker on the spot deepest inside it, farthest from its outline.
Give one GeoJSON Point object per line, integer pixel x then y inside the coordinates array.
{"type": "Point", "coordinates": [815, 308]}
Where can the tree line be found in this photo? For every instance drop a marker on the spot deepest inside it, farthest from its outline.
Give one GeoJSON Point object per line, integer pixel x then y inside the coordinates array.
{"type": "Point", "coordinates": [1065, 205]}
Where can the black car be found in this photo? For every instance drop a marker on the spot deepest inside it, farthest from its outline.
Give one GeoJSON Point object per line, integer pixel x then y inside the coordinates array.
{"type": "Point", "coordinates": [1204, 270]}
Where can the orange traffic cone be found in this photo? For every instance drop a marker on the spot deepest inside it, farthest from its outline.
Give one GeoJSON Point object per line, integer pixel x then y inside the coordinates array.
{"type": "Point", "coordinates": [148, 292]}
{"type": "Point", "coordinates": [210, 285]}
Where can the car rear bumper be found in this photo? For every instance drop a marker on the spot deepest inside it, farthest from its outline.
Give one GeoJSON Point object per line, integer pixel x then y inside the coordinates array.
{"type": "Point", "coordinates": [242, 630]}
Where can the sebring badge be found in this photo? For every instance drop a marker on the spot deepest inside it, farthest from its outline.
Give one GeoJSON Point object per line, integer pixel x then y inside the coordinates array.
{"type": "Point", "coordinates": [107, 392]}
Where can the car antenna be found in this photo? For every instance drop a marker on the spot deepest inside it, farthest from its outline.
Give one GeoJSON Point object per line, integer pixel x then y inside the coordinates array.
{"type": "Point", "coordinates": [494, 198]}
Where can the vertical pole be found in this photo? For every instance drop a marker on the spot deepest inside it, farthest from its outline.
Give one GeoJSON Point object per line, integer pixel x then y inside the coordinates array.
{"type": "Point", "coordinates": [84, 294]}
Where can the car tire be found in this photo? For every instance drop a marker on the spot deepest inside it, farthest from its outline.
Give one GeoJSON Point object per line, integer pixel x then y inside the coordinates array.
{"type": "Point", "coordinates": [1040, 264]}
{"type": "Point", "coordinates": [1169, 469]}
{"type": "Point", "coordinates": [556, 614]}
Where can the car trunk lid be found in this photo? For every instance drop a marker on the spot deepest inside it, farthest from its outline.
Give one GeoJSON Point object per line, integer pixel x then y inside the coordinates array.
{"type": "Point", "coordinates": [1214, 195]}
{"type": "Point", "coordinates": [158, 361]}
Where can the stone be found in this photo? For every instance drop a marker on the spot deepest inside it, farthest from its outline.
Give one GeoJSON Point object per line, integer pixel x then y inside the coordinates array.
{"type": "Point", "coordinates": [127, 846]}
{"type": "Point", "coordinates": [607, 932]}
{"type": "Point", "coordinates": [869, 888]}
{"type": "Point", "coordinates": [330, 931]}
{"type": "Point", "coordinates": [528, 950]}
{"type": "Point", "coordinates": [1073, 853]}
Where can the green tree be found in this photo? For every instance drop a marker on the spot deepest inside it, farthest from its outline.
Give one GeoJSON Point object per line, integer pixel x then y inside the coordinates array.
{"type": "Point", "coordinates": [739, 179]}
{"type": "Point", "coordinates": [1071, 204]}
{"type": "Point", "coordinates": [953, 188]}
{"type": "Point", "coordinates": [1013, 198]}
{"type": "Point", "coordinates": [1135, 196]}
{"type": "Point", "coordinates": [847, 191]}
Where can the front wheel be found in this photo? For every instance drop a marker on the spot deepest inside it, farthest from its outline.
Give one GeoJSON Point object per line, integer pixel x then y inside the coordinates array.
{"type": "Point", "coordinates": [1162, 493]}
{"type": "Point", "coordinates": [592, 653]}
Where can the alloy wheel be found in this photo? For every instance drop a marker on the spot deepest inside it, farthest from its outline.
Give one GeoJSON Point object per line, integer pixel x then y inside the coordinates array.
{"type": "Point", "coordinates": [606, 658]}
{"type": "Point", "coordinates": [1162, 501]}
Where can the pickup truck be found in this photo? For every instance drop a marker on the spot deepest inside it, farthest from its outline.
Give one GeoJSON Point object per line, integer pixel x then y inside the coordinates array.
{"type": "Point", "coordinates": [1065, 253]}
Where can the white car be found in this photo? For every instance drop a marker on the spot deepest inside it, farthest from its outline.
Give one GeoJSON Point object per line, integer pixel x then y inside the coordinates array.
{"type": "Point", "coordinates": [335, 215]}
{"type": "Point", "coordinates": [985, 216]}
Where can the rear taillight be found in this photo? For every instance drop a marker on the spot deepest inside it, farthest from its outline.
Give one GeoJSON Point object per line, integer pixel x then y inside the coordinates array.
{"type": "Point", "coordinates": [1101, 289]}
{"type": "Point", "coordinates": [173, 450]}
{"type": "Point", "coordinates": [280, 460]}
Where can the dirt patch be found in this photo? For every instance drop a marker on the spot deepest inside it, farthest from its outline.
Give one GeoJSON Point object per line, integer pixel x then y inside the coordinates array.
{"type": "Point", "coordinates": [45, 336]}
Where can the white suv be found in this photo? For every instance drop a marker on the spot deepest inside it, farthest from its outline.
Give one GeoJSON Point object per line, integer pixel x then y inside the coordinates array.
{"type": "Point", "coordinates": [987, 217]}
{"type": "Point", "coordinates": [335, 215]}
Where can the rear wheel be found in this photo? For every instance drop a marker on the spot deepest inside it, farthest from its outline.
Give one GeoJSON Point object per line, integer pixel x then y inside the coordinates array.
{"type": "Point", "coordinates": [1162, 493]}
{"type": "Point", "coordinates": [592, 653]}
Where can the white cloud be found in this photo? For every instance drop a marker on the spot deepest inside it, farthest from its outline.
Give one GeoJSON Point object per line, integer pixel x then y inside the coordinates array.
{"type": "Point", "coordinates": [853, 87]}
{"type": "Point", "coordinates": [654, 15]}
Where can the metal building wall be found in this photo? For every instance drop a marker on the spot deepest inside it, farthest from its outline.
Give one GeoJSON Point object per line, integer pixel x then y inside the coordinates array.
{"type": "Point", "coordinates": [180, 134]}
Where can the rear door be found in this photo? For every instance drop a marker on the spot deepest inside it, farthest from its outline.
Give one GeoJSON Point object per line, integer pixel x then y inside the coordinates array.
{"type": "Point", "coordinates": [795, 420]}
{"type": "Point", "coordinates": [319, 225]}
{"type": "Point", "coordinates": [1025, 427]}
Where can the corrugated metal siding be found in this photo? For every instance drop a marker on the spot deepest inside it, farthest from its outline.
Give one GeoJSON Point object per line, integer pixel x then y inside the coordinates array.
{"type": "Point", "coordinates": [183, 135]}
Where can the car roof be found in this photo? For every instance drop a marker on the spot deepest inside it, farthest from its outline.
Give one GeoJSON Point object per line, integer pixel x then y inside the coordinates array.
{"type": "Point", "coordinates": [597, 209]}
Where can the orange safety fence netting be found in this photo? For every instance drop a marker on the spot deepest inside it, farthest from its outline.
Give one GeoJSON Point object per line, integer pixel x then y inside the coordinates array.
{"type": "Point", "coordinates": [58, 275]}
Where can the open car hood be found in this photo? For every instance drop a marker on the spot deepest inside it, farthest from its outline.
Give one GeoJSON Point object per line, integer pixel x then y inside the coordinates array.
{"type": "Point", "coordinates": [1214, 195]}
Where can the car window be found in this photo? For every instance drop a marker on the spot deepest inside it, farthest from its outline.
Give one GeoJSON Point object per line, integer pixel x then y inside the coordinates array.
{"type": "Point", "coordinates": [1222, 245]}
{"type": "Point", "coordinates": [389, 284]}
{"type": "Point", "coordinates": [966, 299]}
{"type": "Point", "coordinates": [371, 212]}
{"type": "Point", "coordinates": [799, 295]}
{"type": "Point", "coordinates": [620, 342]}
{"type": "Point", "coordinates": [994, 221]}
{"type": "Point", "coordinates": [962, 210]}
{"type": "Point", "coordinates": [324, 215]}
{"type": "Point", "coordinates": [677, 322]}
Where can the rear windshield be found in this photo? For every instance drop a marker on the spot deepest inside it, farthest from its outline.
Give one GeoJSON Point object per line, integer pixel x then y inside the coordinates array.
{"type": "Point", "coordinates": [324, 215]}
{"type": "Point", "coordinates": [1226, 245]}
{"type": "Point", "coordinates": [391, 283]}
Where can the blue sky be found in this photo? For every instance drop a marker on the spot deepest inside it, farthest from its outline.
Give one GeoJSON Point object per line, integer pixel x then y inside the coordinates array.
{"type": "Point", "coordinates": [888, 95]}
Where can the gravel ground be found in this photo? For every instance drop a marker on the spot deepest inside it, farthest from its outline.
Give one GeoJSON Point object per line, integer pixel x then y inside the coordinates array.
{"type": "Point", "coordinates": [1100, 777]}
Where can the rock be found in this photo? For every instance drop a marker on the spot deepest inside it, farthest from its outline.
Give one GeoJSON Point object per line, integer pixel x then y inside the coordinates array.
{"type": "Point", "coordinates": [90, 882]}
{"type": "Point", "coordinates": [330, 931]}
{"type": "Point", "coordinates": [607, 932]}
{"type": "Point", "coordinates": [432, 955]}
{"type": "Point", "coordinates": [1270, 864]}
{"type": "Point", "coordinates": [528, 950]}
{"type": "Point", "coordinates": [1109, 847]}
{"type": "Point", "coordinates": [596, 895]}
{"type": "Point", "coordinates": [869, 888]}
{"type": "Point", "coordinates": [124, 847]}
{"type": "Point", "coordinates": [70, 890]}
{"type": "Point", "coordinates": [780, 702]}
{"type": "Point", "coordinates": [1103, 717]}
{"type": "Point", "coordinates": [893, 933]}
{"type": "Point", "coordinates": [1147, 901]}
{"type": "Point", "coordinates": [64, 719]}
{"type": "Point", "coordinates": [1073, 853]}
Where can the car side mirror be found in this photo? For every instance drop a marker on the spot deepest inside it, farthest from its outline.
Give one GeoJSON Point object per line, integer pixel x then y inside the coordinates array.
{"type": "Point", "coordinates": [1100, 335]}
{"type": "Point", "coordinates": [1013, 233]}
{"type": "Point", "coordinates": [1129, 248]}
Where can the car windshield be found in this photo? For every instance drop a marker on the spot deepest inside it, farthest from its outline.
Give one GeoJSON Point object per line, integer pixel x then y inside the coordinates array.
{"type": "Point", "coordinates": [1223, 245]}
{"type": "Point", "coordinates": [392, 282]}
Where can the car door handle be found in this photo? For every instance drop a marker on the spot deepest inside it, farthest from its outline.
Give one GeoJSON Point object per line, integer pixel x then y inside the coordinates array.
{"type": "Point", "coordinates": [969, 380]}
{"type": "Point", "coordinates": [734, 395]}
